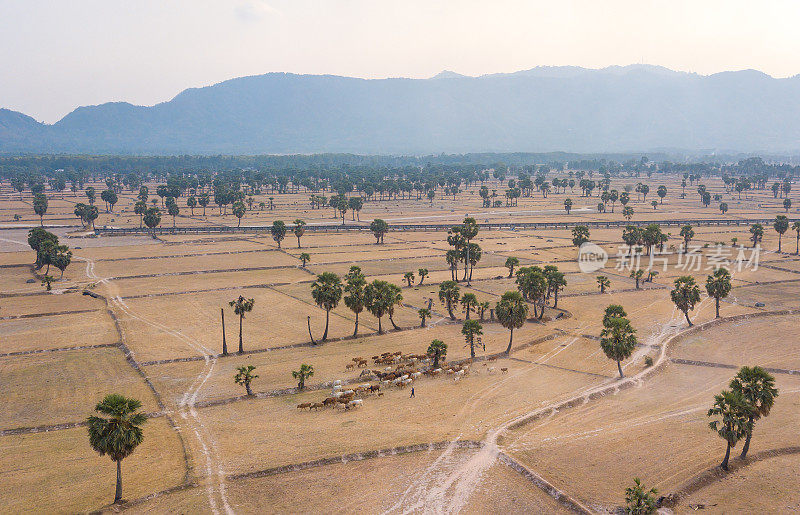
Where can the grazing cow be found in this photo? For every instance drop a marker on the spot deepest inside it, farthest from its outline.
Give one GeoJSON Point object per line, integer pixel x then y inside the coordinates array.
{"type": "Point", "coordinates": [492, 359]}
{"type": "Point", "coordinates": [330, 401]}
{"type": "Point", "coordinates": [504, 370]}
{"type": "Point", "coordinates": [380, 394]}
{"type": "Point", "coordinates": [374, 388]}
{"type": "Point", "coordinates": [363, 363]}
{"type": "Point", "coordinates": [490, 370]}
{"type": "Point", "coordinates": [416, 375]}
{"type": "Point", "coordinates": [304, 405]}
{"type": "Point", "coordinates": [354, 404]}
{"type": "Point", "coordinates": [316, 406]}
{"type": "Point", "coordinates": [338, 382]}
{"type": "Point", "coordinates": [350, 366]}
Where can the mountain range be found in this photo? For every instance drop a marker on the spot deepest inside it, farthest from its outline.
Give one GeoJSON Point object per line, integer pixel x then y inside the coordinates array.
{"type": "Point", "coordinates": [567, 108]}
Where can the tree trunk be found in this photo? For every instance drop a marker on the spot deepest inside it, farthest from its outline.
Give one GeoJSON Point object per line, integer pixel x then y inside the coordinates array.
{"type": "Point", "coordinates": [510, 339]}
{"type": "Point", "coordinates": [247, 387]}
{"type": "Point", "coordinates": [780, 236]}
{"type": "Point", "coordinates": [118, 491]}
{"type": "Point", "coordinates": [724, 463]}
{"type": "Point", "coordinates": [327, 319]}
{"type": "Point", "coordinates": [450, 310]}
{"type": "Point", "coordinates": [392, 321]}
{"type": "Point", "coordinates": [423, 322]}
{"type": "Point", "coordinates": [224, 343]}
{"type": "Point", "coordinates": [241, 349]}
{"type": "Point", "coordinates": [717, 305]}
{"type": "Point", "coordinates": [747, 440]}
{"type": "Point", "coordinates": [380, 328]}
{"type": "Point", "coordinates": [298, 242]}
{"type": "Point", "coordinates": [309, 331]}
{"type": "Point", "coordinates": [472, 349]}
{"type": "Point", "coordinates": [468, 310]}
{"type": "Point", "coordinates": [555, 298]}
{"type": "Point", "coordinates": [619, 367]}
{"type": "Point", "coordinates": [686, 314]}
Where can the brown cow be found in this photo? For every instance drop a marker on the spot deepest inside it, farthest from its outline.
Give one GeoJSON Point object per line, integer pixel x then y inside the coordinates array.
{"type": "Point", "coordinates": [304, 405]}
{"type": "Point", "coordinates": [504, 370]}
{"type": "Point", "coordinates": [350, 366]}
{"type": "Point", "coordinates": [363, 362]}
{"type": "Point", "coordinates": [330, 401]}
{"type": "Point", "coordinates": [316, 406]}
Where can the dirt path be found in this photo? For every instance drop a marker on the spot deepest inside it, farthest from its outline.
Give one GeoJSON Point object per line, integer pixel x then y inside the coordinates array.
{"type": "Point", "coordinates": [216, 476]}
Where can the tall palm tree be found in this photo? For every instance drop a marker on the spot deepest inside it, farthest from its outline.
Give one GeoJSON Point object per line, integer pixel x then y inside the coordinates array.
{"type": "Point", "coordinates": [685, 295]}
{"type": "Point", "coordinates": [718, 285]}
{"type": "Point", "coordinates": [327, 292]}
{"type": "Point", "coordinates": [240, 307]}
{"type": "Point", "coordinates": [422, 273]}
{"type": "Point", "coordinates": [438, 350]}
{"type": "Point", "coordinates": [470, 330]}
{"type": "Point", "coordinates": [732, 410]}
{"type": "Point", "coordinates": [781, 225]}
{"type": "Point", "coordinates": [512, 310]}
{"type": "Point", "coordinates": [409, 277]}
{"type": "Point", "coordinates": [796, 228]}
{"type": "Point", "coordinates": [511, 262]}
{"type": "Point", "coordinates": [299, 229]}
{"type": "Point", "coordinates": [355, 282]}
{"type": "Point", "coordinates": [119, 434]}
{"type": "Point", "coordinates": [394, 297]}
{"type": "Point", "coordinates": [603, 283]}
{"type": "Point", "coordinates": [469, 302]}
{"type": "Point", "coordinates": [424, 314]}
{"type": "Point", "coordinates": [449, 294]}
{"type": "Point", "coordinates": [757, 387]}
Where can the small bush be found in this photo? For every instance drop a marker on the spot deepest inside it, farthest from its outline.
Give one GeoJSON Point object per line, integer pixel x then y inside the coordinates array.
{"type": "Point", "coordinates": [648, 361]}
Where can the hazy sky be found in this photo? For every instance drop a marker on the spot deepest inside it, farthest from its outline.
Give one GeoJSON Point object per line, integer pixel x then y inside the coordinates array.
{"type": "Point", "coordinates": [58, 54]}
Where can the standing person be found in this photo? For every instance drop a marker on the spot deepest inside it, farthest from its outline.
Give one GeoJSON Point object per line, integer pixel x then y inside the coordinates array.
{"type": "Point", "coordinates": [412, 392]}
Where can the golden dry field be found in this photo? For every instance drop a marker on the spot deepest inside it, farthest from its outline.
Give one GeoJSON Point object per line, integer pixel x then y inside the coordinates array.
{"type": "Point", "coordinates": [548, 428]}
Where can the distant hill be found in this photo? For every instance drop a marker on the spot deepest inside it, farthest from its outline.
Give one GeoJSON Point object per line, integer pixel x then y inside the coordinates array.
{"type": "Point", "coordinates": [615, 109]}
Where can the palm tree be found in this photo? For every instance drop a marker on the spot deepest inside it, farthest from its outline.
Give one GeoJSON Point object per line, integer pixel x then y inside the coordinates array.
{"type": "Point", "coordinates": [756, 233]}
{"type": "Point", "coordinates": [298, 230]}
{"type": "Point", "coordinates": [301, 375]}
{"type": "Point", "coordinates": [687, 233]}
{"type": "Point", "coordinates": [438, 350]}
{"type": "Point", "coordinates": [469, 301]}
{"type": "Point", "coordinates": [685, 295]}
{"type": "Point", "coordinates": [305, 258]}
{"type": "Point", "coordinates": [240, 307]}
{"type": "Point", "coordinates": [327, 292]}
{"type": "Point", "coordinates": [718, 285]}
{"type": "Point", "coordinates": [639, 501]}
{"type": "Point", "coordinates": [733, 411]}
{"type": "Point", "coordinates": [781, 225]}
{"type": "Point", "coordinates": [422, 273]}
{"type": "Point", "coordinates": [511, 262]}
{"type": "Point", "coordinates": [757, 387]}
{"type": "Point", "coordinates": [377, 299]}
{"type": "Point", "coordinates": [618, 339]}
{"type": "Point", "coordinates": [424, 313]}
{"type": "Point", "coordinates": [470, 330]}
{"type": "Point", "coordinates": [244, 376]}
{"type": "Point", "coordinates": [394, 297]}
{"type": "Point", "coordinates": [409, 277]}
{"type": "Point", "coordinates": [603, 283]}
{"type": "Point", "coordinates": [354, 290]}
{"type": "Point", "coordinates": [119, 434]}
{"type": "Point", "coordinates": [627, 212]}
{"type": "Point", "coordinates": [512, 310]}
{"type": "Point", "coordinates": [449, 294]}
{"type": "Point", "coordinates": [796, 228]}
{"type": "Point", "coordinates": [637, 275]}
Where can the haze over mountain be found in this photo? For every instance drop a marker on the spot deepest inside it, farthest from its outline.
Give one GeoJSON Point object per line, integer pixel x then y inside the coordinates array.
{"type": "Point", "coordinates": [629, 108]}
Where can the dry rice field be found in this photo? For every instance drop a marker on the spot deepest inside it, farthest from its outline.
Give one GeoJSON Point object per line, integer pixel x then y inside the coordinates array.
{"type": "Point", "coordinates": [548, 428]}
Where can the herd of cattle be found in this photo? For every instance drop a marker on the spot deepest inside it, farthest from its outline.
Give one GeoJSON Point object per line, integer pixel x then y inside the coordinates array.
{"type": "Point", "coordinates": [398, 371]}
